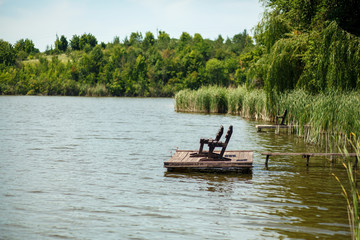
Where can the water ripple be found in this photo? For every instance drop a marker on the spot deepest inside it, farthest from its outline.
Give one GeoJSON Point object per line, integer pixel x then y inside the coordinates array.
{"type": "Point", "coordinates": [92, 168]}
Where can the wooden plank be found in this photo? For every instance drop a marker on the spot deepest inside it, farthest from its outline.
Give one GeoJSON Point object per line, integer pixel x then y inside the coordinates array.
{"type": "Point", "coordinates": [275, 126]}
{"type": "Point", "coordinates": [182, 159]}
{"type": "Point", "coordinates": [308, 155]}
{"type": "Point", "coordinates": [182, 156]}
{"type": "Point", "coordinates": [259, 127]}
{"type": "Point", "coordinates": [209, 164]}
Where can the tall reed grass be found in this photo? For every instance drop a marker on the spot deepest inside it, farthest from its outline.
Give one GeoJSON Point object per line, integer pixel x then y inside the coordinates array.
{"type": "Point", "coordinates": [206, 99]}
{"type": "Point", "coordinates": [318, 117]}
{"type": "Point", "coordinates": [351, 191]}
{"type": "Point", "coordinates": [237, 101]}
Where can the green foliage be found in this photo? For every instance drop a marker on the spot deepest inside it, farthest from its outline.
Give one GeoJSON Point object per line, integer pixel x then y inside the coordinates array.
{"type": "Point", "coordinates": [135, 38]}
{"type": "Point", "coordinates": [163, 40]}
{"type": "Point", "coordinates": [185, 37]}
{"type": "Point", "coordinates": [271, 28]}
{"type": "Point", "coordinates": [283, 66]}
{"type": "Point", "coordinates": [26, 46]}
{"type": "Point", "coordinates": [61, 44]}
{"type": "Point", "coordinates": [87, 41]}
{"type": "Point", "coordinates": [75, 42]}
{"type": "Point", "coordinates": [307, 45]}
{"type": "Point", "coordinates": [7, 54]}
{"type": "Point", "coordinates": [149, 40]}
{"type": "Point", "coordinates": [333, 62]}
{"type": "Point", "coordinates": [137, 67]}
{"type": "Point", "coordinates": [215, 71]}
{"type": "Point", "coordinates": [241, 42]}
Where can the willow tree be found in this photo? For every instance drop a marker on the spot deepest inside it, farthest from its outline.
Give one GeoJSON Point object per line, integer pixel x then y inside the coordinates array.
{"type": "Point", "coordinates": [308, 44]}
{"type": "Point", "coordinates": [332, 61]}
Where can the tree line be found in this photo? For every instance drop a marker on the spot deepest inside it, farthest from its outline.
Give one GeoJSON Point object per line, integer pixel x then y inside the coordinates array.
{"type": "Point", "coordinates": [312, 45]}
{"type": "Point", "coordinates": [136, 66]}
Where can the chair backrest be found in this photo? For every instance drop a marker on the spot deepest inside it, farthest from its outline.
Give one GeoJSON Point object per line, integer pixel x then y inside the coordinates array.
{"type": "Point", "coordinates": [283, 117]}
{"type": "Point", "coordinates": [220, 133]}
{"type": "Point", "coordinates": [227, 139]}
{"type": "Point", "coordinates": [217, 138]}
{"type": "Point", "coordinates": [228, 134]}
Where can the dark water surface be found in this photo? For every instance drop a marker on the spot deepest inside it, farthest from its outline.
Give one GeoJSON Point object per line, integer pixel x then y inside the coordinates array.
{"type": "Point", "coordinates": [92, 168]}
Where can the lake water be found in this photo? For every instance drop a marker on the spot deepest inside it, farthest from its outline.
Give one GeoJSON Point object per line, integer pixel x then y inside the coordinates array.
{"type": "Point", "coordinates": [92, 168]}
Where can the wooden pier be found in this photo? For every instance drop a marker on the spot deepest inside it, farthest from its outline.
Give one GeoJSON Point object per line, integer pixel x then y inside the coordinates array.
{"type": "Point", "coordinates": [234, 161]}
{"type": "Point", "coordinates": [259, 127]}
{"type": "Point", "coordinates": [308, 155]}
{"type": "Point", "coordinates": [211, 160]}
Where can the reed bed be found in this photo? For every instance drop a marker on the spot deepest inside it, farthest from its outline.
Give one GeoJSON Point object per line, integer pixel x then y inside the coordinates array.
{"type": "Point", "coordinates": [318, 117]}
{"type": "Point", "coordinates": [205, 100]}
{"type": "Point", "coordinates": [350, 188]}
{"type": "Point", "coordinates": [237, 101]}
{"type": "Point", "coordinates": [321, 117]}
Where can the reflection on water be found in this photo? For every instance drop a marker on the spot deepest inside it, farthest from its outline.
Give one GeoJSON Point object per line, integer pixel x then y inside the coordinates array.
{"type": "Point", "coordinates": [221, 183]}
{"type": "Point", "coordinates": [91, 168]}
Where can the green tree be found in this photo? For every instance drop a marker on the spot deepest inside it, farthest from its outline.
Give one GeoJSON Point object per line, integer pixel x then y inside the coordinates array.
{"type": "Point", "coordinates": [25, 45]}
{"type": "Point", "coordinates": [75, 42]}
{"type": "Point", "coordinates": [193, 61]}
{"type": "Point", "coordinates": [61, 44]}
{"type": "Point", "coordinates": [135, 38]}
{"type": "Point", "coordinates": [215, 71]}
{"type": "Point", "coordinates": [163, 40]}
{"type": "Point", "coordinates": [91, 39]}
{"type": "Point", "coordinates": [241, 41]}
{"type": "Point", "coordinates": [139, 76]}
{"type": "Point", "coordinates": [163, 37]}
{"type": "Point", "coordinates": [202, 46]}
{"type": "Point", "coordinates": [149, 40]}
{"type": "Point", "coordinates": [219, 41]}
{"type": "Point", "coordinates": [307, 45]}
{"type": "Point", "coordinates": [7, 54]}
{"type": "Point", "coordinates": [185, 37]}
{"type": "Point", "coordinates": [97, 59]}
{"type": "Point", "coordinates": [116, 40]}
{"type": "Point", "coordinates": [87, 41]}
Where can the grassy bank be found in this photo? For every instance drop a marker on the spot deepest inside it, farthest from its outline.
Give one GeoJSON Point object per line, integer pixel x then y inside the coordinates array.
{"type": "Point", "coordinates": [318, 117]}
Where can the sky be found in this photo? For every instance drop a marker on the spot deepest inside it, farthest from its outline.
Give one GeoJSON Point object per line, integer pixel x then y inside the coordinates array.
{"type": "Point", "coordinates": [41, 20]}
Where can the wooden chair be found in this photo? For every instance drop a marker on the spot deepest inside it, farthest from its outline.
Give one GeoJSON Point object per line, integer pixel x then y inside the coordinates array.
{"type": "Point", "coordinates": [282, 117]}
{"type": "Point", "coordinates": [203, 141]}
{"type": "Point", "coordinates": [210, 155]}
{"type": "Point", "coordinates": [223, 145]}
{"type": "Point", "coordinates": [217, 138]}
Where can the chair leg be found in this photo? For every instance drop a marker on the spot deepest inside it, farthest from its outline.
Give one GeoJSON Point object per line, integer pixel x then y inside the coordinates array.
{"type": "Point", "coordinates": [222, 152]}
{"type": "Point", "coordinates": [201, 145]}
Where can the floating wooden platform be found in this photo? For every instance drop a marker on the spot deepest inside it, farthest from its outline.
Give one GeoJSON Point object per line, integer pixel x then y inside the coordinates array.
{"type": "Point", "coordinates": [308, 155]}
{"type": "Point", "coordinates": [240, 161]}
{"type": "Point", "coordinates": [259, 127]}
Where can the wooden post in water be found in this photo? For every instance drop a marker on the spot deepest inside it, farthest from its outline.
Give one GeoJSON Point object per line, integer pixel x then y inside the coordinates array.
{"type": "Point", "coordinates": [277, 129]}
{"type": "Point", "coordinates": [307, 160]}
{"type": "Point", "coordinates": [267, 160]}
